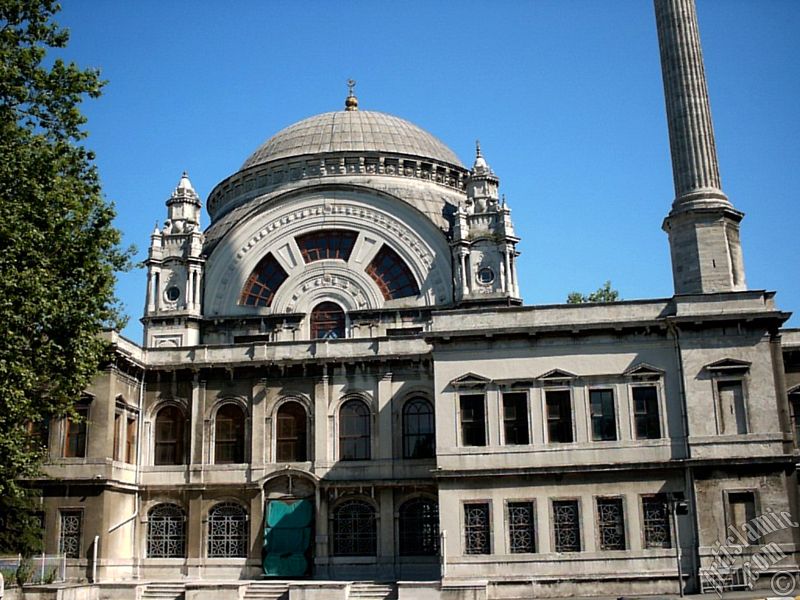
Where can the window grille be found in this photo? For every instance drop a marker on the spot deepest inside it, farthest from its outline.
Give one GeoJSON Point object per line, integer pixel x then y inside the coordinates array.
{"type": "Point", "coordinates": [166, 532]}
{"type": "Point", "coordinates": [645, 408]}
{"type": "Point", "coordinates": [229, 435]}
{"type": "Point", "coordinates": [263, 283]}
{"type": "Point", "coordinates": [566, 526]}
{"type": "Point", "coordinates": [521, 533]}
{"type": "Point", "coordinates": [330, 244]}
{"type": "Point", "coordinates": [604, 424]}
{"type": "Point", "coordinates": [392, 275]}
{"type": "Point", "coordinates": [656, 522]}
{"type": "Point", "coordinates": [419, 527]}
{"type": "Point", "coordinates": [227, 531]}
{"type": "Point", "coordinates": [611, 523]}
{"type": "Point", "coordinates": [354, 531]}
{"type": "Point", "coordinates": [476, 529]}
{"type": "Point", "coordinates": [69, 541]}
{"type": "Point", "coordinates": [291, 443]}
{"type": "Point", "coordinates": [418, 431]}
{"type": "Point", "coordinates": [354, 431]}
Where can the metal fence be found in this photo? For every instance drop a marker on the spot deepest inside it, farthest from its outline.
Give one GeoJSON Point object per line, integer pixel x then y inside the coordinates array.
{"type": "Point", "coordinates": [44, 568]}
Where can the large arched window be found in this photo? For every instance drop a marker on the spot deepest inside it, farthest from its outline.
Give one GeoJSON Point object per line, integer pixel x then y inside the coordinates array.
{"type": "Point", "coordinates": [166, 532]}
{"type": "Point", "coordinates": [419, 527]}
{"type": "Point", "coordinates": [169, 436]}
{"type": "Point", "coordinates": [291, 437]}
{"type": "Point", "coordinates": [354, 431]}
{"type": "Point", "coordinates": [392, 275]}
{"type": "Point", "coordinates": [354, 531]}
{"type": "Point", "coordinates": [227, 531]}
{"type": "Point", "coordinates": [264, 281]}
{"type": "Point", "coordinates": [328, 243]}
{"type": "Point", "coordinates": [229, 435]}
{"type": "Point", "coordinates": [327, 321]}
{"type": "Point", "coordinates": [418, 430]}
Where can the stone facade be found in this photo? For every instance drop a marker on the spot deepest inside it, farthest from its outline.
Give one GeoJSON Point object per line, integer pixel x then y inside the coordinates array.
{"type": "Point", "coordinates": [348, 335]}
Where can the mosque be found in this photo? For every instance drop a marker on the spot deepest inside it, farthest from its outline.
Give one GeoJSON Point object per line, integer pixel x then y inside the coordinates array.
{"type": "Point", "coordinates": [341, 394]}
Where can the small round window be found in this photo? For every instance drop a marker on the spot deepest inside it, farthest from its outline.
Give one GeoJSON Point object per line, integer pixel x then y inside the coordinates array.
{"type": "Point", "coordinates": [173, 293]}
{"type": "Point", "coordinates": [485, 275]}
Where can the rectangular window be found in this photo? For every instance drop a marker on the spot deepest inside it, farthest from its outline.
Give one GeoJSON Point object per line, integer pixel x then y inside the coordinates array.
{"type": "Point", "coordinates": [611, 523]}
{"type": "Point", "coordinates": [731, 407]}
{"type": "Point", "coordinates": [521, 532]}
{"type": "Point", "coordinates": [515, 418]}
{"type": "Point", "coordinates": [559, 416]}
{"type": "Point", "coordinates": [604, 420]}
{"type": "Point", "coordinates": [477, 529]}
{"type": "Point", "coordinates": [645, 410]}
{"type": "Point", "coordinates": [69, 538]}
{"type": "Point", "coordinates": [742, 508]}
{"type": "Point", "coordinates": [566, 526]}
{"type": "Point", "coordinates": [117, 433]}
{"type": "Point", "coordinates": [75, 433]}
{"type": "Point", "coordinates": [473, 420]}
{"type": "Point", "coordinates": [655, 512]}
{"type": "Point", "coordinates": [130, 441]}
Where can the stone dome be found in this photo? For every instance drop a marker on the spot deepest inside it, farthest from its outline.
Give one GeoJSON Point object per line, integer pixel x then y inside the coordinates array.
{"type": "Point", "coordinates": [352, 131]}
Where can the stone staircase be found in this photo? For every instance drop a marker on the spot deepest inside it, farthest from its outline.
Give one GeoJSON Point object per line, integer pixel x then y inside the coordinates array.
{"type": "Point", "coordinates": [164, 590]}
{"type": "Point", "coordinates": [361, 590]}
{"type": "Point", "coordinates": [267, 590]}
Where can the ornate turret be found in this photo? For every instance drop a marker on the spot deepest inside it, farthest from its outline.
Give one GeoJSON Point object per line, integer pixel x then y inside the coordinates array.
{"type": "Point", "coordinates": [174, 273]}
{"type": "Point", "coordinates": [484, 244]}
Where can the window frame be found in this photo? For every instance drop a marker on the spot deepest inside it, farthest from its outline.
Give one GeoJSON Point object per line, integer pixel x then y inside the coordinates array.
{"type": "Point", "coordinates": [726, 498]}
{"type": "Point", "coordinates": [149, 534]}
{"type": "Point", "coordinates": [662, 498]}
{"type": "Point", "coordinates": [336, 535]}
{"type": "Point", "coordinates": [340, 437]}
{"type": "Point", "coordinates": [599, 525]}
{"type": "Point", "coordinates": [656, 385]}
{"type": "Point", "coordinates": [435, 549]}
{"type": "Point", "coordinates": [180, 441]}
{"type": "Point", "coordinates": [238, 443]}
{"type": "Point", "coordinates": [83, 409]}
{"type": "Point", "coordinates": [307, 437]}
{"type": "Point", "coordinates": [62, 512]}
{"type": "Point", "coordinates": [461, 429]}
{"type": "Point", "coordinates": [526, 404]}
{"type": "Point", "coordinates": [242, 542]}
{"type": "Point", "coordinates": [725, 378]}
{"type": "Point", "coordinates": [408, 451]}
{"type": "Point", "coordinates": [546, 413]}
{"type": "Point", "coordinates": [594, 389]}
{"type": "Point", "coordinates": [464, 525]}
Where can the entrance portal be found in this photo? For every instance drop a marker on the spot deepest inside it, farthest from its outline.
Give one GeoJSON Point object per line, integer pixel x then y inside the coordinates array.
{"type": "Point", "coordinates": [288, 526]}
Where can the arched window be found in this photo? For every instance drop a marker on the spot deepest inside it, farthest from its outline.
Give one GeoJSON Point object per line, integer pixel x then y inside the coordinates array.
{"type": "Point", "coordinates": [264, 281]}
{"type": "Point", "coordinates": [327, 321]}
{"type": "Point", "coordinates": [418, 431]}
{"type": "Point", "coordinates": [169, 436]}
{"type": "Point", "coordinates": [419, 527]}
{"type": "Point", "coordinates": [354, 426]}
{"type": "Point", "coordinates": [166, 532]}
{"type": "Point", "coordinates": [291, 443]}
{"type": "Point", "coordinates": [354, 531]}
{"type": "Point", "coordinates": [227, 531]}
{"type": "Point", "coordinates": [229, 435]}
{"type": "Point", "coordinates": [329, 243]}
{"type": "Point", "coordinates": [392, 275]}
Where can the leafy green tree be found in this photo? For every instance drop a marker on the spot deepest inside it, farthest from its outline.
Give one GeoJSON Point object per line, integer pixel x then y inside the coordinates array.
{"type": "Point", "coordinates": [58, 250]}
{"type": "Point", "coordinates": [603, 294]}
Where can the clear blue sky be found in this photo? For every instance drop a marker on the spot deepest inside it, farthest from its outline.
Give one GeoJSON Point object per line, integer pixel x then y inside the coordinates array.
{"type": "Point", "coordinates": [565, 96]}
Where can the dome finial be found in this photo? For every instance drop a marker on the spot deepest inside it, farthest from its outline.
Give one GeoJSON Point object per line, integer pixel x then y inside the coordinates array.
{"type": "Point", "coordinates": [351, 102]}
{"type": "Point", "coordinates": [477, 148]}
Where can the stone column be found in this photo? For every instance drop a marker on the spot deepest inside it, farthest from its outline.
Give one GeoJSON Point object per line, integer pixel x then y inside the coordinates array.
{"type": "Point", "coordinates": [703, 226]}
{"type": "Point", "coordinates": [691, 134]}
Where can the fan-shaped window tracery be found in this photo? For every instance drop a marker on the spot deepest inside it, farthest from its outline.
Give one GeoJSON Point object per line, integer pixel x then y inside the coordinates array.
{"type": "Point", "coordinates": [328, 243]}
{"type": "Point", "coordinates": [392, 275]}
{"type": "Point", "coordinates": [264, 281]}
{"type": "Point", "coordinates": [327, 321]}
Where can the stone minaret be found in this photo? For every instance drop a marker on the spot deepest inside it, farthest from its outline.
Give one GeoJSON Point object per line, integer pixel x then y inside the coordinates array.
{"type": "Point", "coordinates": [703, 226]}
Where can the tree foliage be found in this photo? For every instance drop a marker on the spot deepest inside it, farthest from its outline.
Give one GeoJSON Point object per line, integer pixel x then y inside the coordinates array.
{"type": "Point", "coordinates": [603, 294]}
{"type": "Point", "coordinates": [58, 246]}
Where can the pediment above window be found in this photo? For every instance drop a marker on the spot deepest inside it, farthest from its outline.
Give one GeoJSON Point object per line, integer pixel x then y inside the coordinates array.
{"type": "Point", "coordinates": [728, 365]}
{"type": "Point", "coordinates": [557, 375]}
{"type": "Point", "coordinates": [470, 381]}
{"type": "Point", "coordinates": [643, 369]}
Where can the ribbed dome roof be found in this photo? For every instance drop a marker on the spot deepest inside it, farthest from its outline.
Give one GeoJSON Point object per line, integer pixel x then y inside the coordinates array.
{"type": "Point", "coordinates": [354, 131]}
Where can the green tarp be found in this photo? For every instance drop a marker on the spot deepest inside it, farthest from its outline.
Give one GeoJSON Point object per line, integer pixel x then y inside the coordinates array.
{"type": "Point", "coordinates": [287, 538]}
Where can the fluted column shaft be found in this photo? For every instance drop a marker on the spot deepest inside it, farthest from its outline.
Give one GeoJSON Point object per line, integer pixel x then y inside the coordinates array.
{"type": "Point", "coordinates": [691, 133]}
